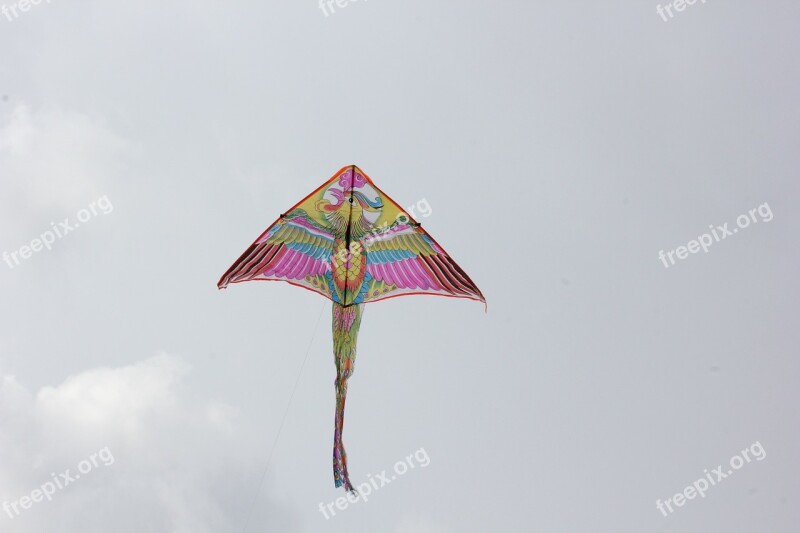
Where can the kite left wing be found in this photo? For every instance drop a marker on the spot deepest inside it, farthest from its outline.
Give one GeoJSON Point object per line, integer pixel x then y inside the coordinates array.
{"type": "Point", "coordinates": [293, 249]}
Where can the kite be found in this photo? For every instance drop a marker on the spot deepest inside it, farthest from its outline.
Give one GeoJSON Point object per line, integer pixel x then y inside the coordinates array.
{"type": "Point", "coordinates": [351, 243]}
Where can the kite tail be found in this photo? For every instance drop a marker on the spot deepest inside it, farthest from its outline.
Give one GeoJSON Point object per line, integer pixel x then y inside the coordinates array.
{"type": "Point", "coordinates": [346, 321]}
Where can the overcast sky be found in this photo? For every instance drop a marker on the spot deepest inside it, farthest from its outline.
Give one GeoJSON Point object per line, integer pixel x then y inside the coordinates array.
{"type": "Point", "coordinates": [561, 146]}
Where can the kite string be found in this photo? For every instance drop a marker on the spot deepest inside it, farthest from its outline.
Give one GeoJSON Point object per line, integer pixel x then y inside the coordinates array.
{"type": "Point", "coordinates": [283, 420]}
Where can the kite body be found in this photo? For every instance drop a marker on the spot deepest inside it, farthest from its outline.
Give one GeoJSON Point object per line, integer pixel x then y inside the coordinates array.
{"type": "Point", "coordinates": [351, 243]}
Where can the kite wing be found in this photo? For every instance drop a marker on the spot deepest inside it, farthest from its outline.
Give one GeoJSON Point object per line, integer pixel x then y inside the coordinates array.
{"type": "Point", "coordinates": [350, 242]}
{"type": "Point", "coordinates": [294, 249]}
{"type": "Point", "coordinates": [406, 260]}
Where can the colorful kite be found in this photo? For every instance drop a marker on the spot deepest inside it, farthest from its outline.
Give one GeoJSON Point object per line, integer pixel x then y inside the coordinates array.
{"type": "Point", "coordinates": [353, 244]}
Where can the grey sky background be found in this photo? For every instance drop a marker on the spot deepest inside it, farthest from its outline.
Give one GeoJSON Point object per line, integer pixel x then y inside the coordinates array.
{"type": "Point", "coordinates": [560, 145]}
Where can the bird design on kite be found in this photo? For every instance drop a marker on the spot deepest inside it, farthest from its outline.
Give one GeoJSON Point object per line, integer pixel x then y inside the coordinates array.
{"type": "Point", "coordinates": [351, 243]}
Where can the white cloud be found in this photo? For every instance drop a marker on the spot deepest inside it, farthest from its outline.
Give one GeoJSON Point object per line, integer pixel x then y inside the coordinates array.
{"type": "Point", "coordinates": [55, 161]}
{"type": "Point", "coordinates": [182, 461]}
{"type": "Point", "coordinates": [114, 400]}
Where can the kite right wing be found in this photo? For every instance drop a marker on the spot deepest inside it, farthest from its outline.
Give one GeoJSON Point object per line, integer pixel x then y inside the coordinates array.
{"type": "Point", "coordinates": [406, 260]}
